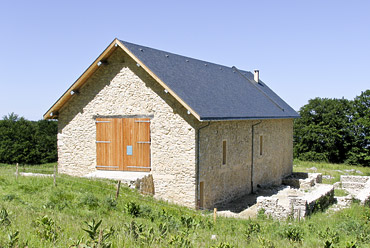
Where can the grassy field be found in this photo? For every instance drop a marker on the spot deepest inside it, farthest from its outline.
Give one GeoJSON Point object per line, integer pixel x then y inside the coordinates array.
{"type": "Point", "coordinates": [79, 212]}
{"type": "Point", "coordinates": [333, 170]}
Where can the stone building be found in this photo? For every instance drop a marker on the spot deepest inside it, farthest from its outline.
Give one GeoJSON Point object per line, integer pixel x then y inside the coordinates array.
{"type": "Point", "coordinates": [206, 132]}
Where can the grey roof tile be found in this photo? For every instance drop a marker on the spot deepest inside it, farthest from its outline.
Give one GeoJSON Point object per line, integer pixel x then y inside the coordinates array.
{"type": "Point", "coordinates": [214, 92]}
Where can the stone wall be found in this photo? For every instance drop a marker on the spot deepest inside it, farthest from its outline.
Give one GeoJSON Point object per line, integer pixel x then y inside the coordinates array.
{"type": "Point", "coordinates": [276, 160]}
{"type": "Point", "coordinates": [294, 203]}
{"type": "Point", "coordinates": [223, 182]}
{"type": "Point", "coordinates": [122, 88]}
{"type": "Point", "coordinates": [357, 186]}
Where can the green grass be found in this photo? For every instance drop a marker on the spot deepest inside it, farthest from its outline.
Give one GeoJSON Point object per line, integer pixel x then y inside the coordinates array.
{"type": "Point", "coordinates": [48, 216]}
{"type": "Point", "coordinates": [327, 169]}
{"type": "Point", "coordinates": [340, 192]}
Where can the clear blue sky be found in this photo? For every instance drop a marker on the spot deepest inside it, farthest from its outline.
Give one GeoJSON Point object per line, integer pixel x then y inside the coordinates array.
{"type": "Point", "coordinates": [303, 49]}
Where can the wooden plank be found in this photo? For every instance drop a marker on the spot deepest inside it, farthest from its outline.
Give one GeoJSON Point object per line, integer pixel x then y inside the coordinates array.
{"type": "Point", "coordinates": [106, 153]}
{"type": "Point", "coordinates": [117, 152]}
{"type": "Point", "coordinates": [145, 136]}
{"type": "Point", "coordinates": [126, 142]}
{"type": "Point", "coordinates": [121, 133]}
{"type": "Point", "coordinates": [119, 143]}
{"type": "Point", "coordinates": [101, 147]}
{"type": "Point", "coordinates": [137, 130]}
{"type": "Point", "coordinates": [143, 142]}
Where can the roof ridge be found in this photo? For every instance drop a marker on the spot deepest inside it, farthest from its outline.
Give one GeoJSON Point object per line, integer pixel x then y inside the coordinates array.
{"type": "Point", "coordinates": [171, 53]}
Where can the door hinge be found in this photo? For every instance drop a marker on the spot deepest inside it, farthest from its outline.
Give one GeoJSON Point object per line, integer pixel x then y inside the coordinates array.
{"type": "Point", "coordinates": [139, 167]}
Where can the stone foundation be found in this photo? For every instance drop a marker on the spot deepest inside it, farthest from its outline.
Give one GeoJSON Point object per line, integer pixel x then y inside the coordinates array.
{"type": "Point", "coordinates": [298, 202]}
{"type": "Point", "coordinates": [357, 186]}
{"type": "Point", "coordinates": [302, 180]}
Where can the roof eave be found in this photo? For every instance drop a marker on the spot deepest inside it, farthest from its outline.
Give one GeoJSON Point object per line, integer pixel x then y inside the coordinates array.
{"type": "Point", "coordinates": [247, 118]}
{"type": "Point", "coordinates": [52, 113]}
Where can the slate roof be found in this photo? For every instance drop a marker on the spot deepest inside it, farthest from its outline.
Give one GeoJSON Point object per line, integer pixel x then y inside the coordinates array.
{"type": "Point", "coordinates": [214, 92]}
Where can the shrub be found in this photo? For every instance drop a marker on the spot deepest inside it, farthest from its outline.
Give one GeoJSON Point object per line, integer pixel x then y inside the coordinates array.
{"type": "Point", "coordinates": [90, 201]}
{"type": "Point", "coordinates": [46, 228]}
{"type": "Point", "coordinates": [293, 233]}
{"type": "Point", "coordinates": [134, 230]}
{"type": "Point", "coordinates": [265, 243]}
{"type": "Point", "coordinates": [110, 203]}
{"type": "Point", "coordinates": [27, 142]}
{"type": "Point", "coordinates": [261, 214]}
{"type": "Point", "coordinates": [9, 197]}
{"type": "Point", "coordinates": [351, 244]}
{"type": "Point", "coordinates": [163, 230]}
{"type": "Point", "coordinates": [146, 212]}
{"type": "Point", "coordinates": [98, 238]}
{"type": "Point", "coordinates": [330, 236]}
{"type": "Point", "coordinates": [132, 209]}
{"type": "Point", "coordinates": [180, 241]}
{"type": "Point", "coordinates": [251, 228]}
{"type": "Point", "coordinates": [172, 222]}
{"type": "Point", "coordinates": [13, 238]}
{"type": "Point", "coordinates": [4, 217]}
{"type": "Point", "coordinates": [189, 222]}
{"type": "Point", "coordinates": [223, 245]}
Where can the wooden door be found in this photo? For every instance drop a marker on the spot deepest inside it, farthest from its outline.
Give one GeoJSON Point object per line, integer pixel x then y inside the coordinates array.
{"type": "Point", "coordinates": [123, 144]}
{"type": "Point", "coordinates": [108, 148]}
{"type": "Point", "coordinates": [137, 144]}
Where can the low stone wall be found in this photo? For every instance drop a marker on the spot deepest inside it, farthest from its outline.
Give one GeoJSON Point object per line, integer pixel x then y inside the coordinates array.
{"type": "Point", "coordinates": [272, 207]}
{"type": "Point", "coordinates": [344, 201]}
{"type": "Point", "coordinates": [357, 186]}
{"type": "Point", "coordinates": [298, 203]}
{"type": "Point", "coordinates": [302, 180]}
{"type": "Point", "coordinates": [297, 206]}
{"type": "Point", "coordinates": [354, 179]}
{"type": "Point", "coordinates": [319, 199]}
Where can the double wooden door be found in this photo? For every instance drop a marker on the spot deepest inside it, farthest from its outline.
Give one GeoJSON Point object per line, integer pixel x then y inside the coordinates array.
{"type": "Point", "coordinates": [123, 144]}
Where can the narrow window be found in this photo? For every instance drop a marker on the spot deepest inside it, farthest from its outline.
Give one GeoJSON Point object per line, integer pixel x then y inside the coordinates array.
{"type": "Point", "coordinates": [261, 145]}
{"type": "Point", "coordinates": [201, 194]}
{"type": "Point", "coordinates": [224, 152]}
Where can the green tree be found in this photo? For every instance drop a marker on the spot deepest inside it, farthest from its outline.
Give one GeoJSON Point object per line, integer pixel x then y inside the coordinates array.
{"type": "Point", "coordinates": [360, 150]}
{"type": "Point", "coordinates": [323, 133]}
{"type": "Point", "coordinates": [27, 142]}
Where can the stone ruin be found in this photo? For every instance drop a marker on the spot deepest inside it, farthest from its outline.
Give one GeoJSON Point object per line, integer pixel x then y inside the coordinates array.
{"type": "Point", "coordinates": [357, 187]}
{"type": "Point", "coordinates": [304, 193]}
{"type": "Point", "coordinates": [301, 194]}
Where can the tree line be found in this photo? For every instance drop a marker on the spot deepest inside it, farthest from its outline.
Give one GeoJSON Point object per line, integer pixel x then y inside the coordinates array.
{"type": "Point", "coordinates": [334, 130]}
{"type": "Point", "coordinates": [329, 130]}
{"type": "Point", "coordinates": [27, 142]}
